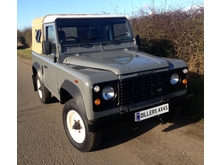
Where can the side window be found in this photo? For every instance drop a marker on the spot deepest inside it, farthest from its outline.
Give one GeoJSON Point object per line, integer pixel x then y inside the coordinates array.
{"type": "Point", "coordinates": [37, 35]}
{"type": "Point", "coordinates": [50, 36]}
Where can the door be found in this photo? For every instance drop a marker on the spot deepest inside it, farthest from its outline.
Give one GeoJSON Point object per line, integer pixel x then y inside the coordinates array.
{"type": "Point", "coordinates": [50, 67]}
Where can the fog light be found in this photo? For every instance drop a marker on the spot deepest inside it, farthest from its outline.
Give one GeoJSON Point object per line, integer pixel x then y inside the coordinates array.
{"type": "Point", "coordinates": [184, 81]}
{"type": "Point", "coordinates": [97, 102]}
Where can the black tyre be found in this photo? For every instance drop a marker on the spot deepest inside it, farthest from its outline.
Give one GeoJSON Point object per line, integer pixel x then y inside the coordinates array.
{"type": "Point", "coordinates": [43, 93]}
{"type": "Point", "coordinates": [77, 129]}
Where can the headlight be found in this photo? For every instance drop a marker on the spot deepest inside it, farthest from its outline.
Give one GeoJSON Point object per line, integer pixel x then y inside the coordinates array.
{"type": "Point", "coordinates": [108, 93]}
{"type": "Point", "coordinates": [174, 78]}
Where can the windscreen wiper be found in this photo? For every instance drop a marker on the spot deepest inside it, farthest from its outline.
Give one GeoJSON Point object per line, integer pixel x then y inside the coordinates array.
{"type": "Point", "coordinates": [120, 41]}
{"type": "Point", "coordinates": [85, 42]}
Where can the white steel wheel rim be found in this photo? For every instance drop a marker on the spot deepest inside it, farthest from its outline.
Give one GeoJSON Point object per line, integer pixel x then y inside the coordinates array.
{"type": "Point", "coordinates": [77, 135]}
{"type": "Point", "coordinates": [39, 88]}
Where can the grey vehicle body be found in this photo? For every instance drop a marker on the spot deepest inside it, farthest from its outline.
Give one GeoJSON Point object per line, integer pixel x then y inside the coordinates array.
{"type": "Point", "coordinates": [80, 68]}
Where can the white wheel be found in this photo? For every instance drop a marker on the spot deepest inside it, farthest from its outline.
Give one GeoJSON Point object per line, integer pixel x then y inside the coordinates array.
{"type": "Point", "coordinates": [43, 93]}
{"type": "Point", "coordinates": [39, 88]}
{"type": "Point", "coordinates": [76, 126]}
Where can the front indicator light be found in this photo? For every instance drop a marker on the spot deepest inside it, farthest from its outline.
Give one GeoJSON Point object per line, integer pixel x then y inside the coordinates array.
{"type": "Point", "coordinates": [97, 102]}
{"type": "Point", "coordinates": [184, 81]}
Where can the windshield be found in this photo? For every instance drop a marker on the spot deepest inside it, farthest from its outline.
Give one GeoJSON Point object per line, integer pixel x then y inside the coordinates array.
{"type": "Point", "coordinates": [94, 30]}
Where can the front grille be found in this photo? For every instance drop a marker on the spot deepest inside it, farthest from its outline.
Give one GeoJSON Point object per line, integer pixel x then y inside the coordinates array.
{"type": "Point", "coordinates": [142, 88]}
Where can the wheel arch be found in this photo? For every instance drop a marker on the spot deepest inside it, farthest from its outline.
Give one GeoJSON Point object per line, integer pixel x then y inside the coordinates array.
{"type": "Point", "coordinates": [68, 91]}
{"type": "Point", "coordinates": [36, 70]}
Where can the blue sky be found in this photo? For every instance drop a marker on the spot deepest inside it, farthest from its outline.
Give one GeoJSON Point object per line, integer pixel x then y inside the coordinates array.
{"type": "Point", "coordinates": [27, 10]}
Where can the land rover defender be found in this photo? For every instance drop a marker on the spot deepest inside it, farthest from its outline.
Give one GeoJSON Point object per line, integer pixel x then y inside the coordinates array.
{"type": "Point", "coordinates": [92, 65]}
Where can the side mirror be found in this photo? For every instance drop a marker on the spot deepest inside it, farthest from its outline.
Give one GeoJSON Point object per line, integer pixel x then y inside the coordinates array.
{"type": "Point", "coordinates": [46, 47]}
{"type": "Point", "coordinates": [138, 40]}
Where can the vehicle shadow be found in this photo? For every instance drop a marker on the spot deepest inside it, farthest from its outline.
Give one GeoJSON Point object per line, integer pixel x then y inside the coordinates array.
{"type": "Point", "coordinates": [121, 134]}
{"type": "Point", "coordinates": [180, 121]}
{"type": "Point", "coordinates": [53, 100]}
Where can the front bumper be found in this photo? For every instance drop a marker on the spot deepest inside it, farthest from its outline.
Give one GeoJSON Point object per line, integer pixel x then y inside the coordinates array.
{"type": "Point", "coordinates": [121, 118]}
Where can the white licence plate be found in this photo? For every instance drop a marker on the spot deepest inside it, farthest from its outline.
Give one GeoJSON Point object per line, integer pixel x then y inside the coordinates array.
{"type": "Point", "coordinates": [148, 113]}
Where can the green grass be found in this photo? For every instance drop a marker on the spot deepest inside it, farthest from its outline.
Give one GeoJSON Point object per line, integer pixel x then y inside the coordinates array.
{"type": "Point", "coordinates": [24, 53]}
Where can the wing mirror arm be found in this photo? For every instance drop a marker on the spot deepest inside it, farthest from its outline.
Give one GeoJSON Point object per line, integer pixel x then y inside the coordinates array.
{"type": "Point", "coordinates": [138, 40]}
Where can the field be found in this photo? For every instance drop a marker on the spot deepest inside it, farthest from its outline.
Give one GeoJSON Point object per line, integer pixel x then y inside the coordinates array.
{"type": "Point", "coordinates": [25, 53]}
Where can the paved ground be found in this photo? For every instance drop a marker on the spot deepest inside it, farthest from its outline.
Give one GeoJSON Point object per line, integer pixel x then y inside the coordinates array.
{"type": "Point", "coordinates": [41, 138]}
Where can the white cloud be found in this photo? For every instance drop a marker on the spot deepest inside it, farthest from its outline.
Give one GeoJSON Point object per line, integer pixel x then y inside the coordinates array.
{"type": "Point", "coordinates": [193, 7]}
